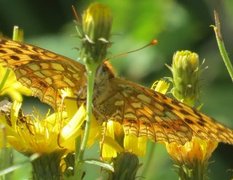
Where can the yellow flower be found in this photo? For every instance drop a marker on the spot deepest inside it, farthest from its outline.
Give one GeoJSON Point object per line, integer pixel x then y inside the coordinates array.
{"type": "Point", "coordinates": [191, 159]}
{"type": "Point", "coordinates": [135, 145]}
{"type": "Point", "coordinates": [54, 132]}
{"type": "Point", "coordinates": [10, 86]}
{"type": "Point", "coordinates": [122, 150]}
{"type": "Point", "coordinates": [115, 142]}
{"type": "Point", "coordinates": [52, 136]}
{"type": "Point", "coordinates": [196, 149]}
{"type": "Point", "coordinates": [110, 146]}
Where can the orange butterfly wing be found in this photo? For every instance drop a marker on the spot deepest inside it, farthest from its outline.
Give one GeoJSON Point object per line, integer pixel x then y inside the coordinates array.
{"type": "Point", "coordinates": [42, 71]}
{"type": "Point", "coordinates": [144, 112]}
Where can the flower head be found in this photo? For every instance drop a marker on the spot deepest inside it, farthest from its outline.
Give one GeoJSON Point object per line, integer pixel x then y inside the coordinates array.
{"type": "Point", "coordinates": [196, 149]}
{"type": "Point", "coordinates": [191, 159]}
{"type": "Point", "coordinates": [34, 133]}
{"type": "Point", "coordinates": [186, 71]}
{"type": "Point", "coordinates": [96, 24]}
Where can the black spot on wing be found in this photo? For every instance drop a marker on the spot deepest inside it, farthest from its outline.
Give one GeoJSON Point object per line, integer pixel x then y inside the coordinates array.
{"type": "Point", "coordinates": [16, 58]}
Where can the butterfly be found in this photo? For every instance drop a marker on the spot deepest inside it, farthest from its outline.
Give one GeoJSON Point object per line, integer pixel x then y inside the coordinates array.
{"type": "Point", "coordinates": [140, 110]}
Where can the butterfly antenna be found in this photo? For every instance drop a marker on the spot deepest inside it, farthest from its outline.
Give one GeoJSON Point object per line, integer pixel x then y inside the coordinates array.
{"type": "Point", "coordinates": [152, 43]}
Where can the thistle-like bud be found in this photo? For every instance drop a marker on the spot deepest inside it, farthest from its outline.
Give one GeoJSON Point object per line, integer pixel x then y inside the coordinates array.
{"type": "Point", "coordinates": [96, 24]}
{"type": "Point", "coordinates": [186, 71]}
{"type": "Point", "coordinates": [125, 166]}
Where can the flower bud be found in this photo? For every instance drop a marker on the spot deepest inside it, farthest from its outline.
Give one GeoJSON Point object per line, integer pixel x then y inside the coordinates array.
{"type": "Point", "coordinates": [96, 24]}
{"type": "Point", "coordinates": [126, 166]}
{"type": "Point", "coordinates": [186, 71]}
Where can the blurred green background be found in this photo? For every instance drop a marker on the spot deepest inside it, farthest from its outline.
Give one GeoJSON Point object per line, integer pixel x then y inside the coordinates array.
{"type": "Point", "coordinates": [177, 24]}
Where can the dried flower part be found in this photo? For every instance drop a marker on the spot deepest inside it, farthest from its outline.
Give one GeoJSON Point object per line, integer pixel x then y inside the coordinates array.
{"type": "Point", "coordinates": [186, 71]}
{"type": "Point", "coordinates": [96, 24]}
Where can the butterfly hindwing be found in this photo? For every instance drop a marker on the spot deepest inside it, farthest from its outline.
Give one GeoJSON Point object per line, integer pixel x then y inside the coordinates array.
{"type": "Point", "coordinates": [144, 112]}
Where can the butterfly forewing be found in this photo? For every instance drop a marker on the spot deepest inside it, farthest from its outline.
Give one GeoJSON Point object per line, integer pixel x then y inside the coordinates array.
{"type": "Point", "coordinates": [140, 110]}
{"type": "Point", "coordinates": [42, 71]}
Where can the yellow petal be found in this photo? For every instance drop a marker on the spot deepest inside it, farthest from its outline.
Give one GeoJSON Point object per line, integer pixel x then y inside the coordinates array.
{"type": "Point", "coordinates": [72, 129]}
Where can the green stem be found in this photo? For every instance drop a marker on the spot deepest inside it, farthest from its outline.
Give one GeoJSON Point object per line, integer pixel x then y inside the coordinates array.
{"type": "Point", "coordinates": [90, 88]}
{"type": "Point", "coordinates": [6, 162]}
{"type": "Point", "coordinates": [4, 79]}
{"type": "Point", "coordinates": [91, 71]}
{"type": "Point", "coordinates": [221, 47]}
